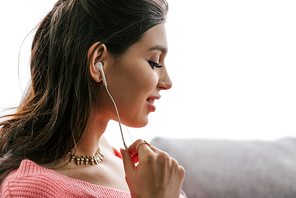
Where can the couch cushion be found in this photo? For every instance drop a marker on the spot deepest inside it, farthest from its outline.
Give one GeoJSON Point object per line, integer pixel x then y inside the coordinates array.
{"type": "Point", "coordinates": [238, 169]}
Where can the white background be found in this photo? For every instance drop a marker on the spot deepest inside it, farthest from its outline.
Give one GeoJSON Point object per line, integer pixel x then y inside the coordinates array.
{"type": "Point", "coordinates": [232, 63]}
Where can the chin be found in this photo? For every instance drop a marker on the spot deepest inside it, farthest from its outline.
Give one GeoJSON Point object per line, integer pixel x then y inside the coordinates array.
{"type": "Point", "coordinates": [137, 123]}
{"type": "Point", "coordinates": [141, 125]}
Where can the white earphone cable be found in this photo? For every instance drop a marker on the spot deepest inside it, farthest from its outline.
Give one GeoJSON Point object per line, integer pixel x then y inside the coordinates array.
{"type": "Point", "coordinates": [117, 118]}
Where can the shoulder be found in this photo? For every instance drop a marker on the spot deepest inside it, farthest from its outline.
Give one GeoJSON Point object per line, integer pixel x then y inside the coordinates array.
{"type": "Point", "coordinates": [31, 180]}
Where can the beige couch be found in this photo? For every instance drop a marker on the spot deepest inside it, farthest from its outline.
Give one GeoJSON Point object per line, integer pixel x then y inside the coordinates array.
{"type": "Point", "coordinates": [235, 169]}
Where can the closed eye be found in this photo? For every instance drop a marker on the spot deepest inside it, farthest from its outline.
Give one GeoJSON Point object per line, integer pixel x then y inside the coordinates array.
{"type": "Point", "coordinates": [153, 64]}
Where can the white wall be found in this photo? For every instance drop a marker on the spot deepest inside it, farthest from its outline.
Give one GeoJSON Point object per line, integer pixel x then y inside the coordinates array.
{"type": "Point", "coordinates": [232, 62]}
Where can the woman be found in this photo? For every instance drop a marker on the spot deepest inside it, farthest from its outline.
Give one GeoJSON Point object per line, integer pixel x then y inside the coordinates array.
{"type": "Point", "coordinates": [53, 145]}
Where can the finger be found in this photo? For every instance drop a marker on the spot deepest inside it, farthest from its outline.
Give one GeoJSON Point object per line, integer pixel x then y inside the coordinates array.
{"type": "Point", "coordinates": [134, 148]}
{"type": "Point", "coordinates": [155, 150]}
{"type": "Point", "coordinates": [143, 143]}
{"type": "Point", "coordinates": [140, 150]}
{"type": "Point", "coordinates": [127, 161]}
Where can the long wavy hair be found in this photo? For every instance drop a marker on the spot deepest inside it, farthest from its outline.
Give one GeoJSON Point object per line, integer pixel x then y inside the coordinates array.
{"type": "Point", "coordinates": [55, 110]}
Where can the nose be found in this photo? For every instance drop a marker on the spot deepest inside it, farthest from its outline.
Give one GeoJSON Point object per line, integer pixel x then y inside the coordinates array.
{"type": "Point", "coordinates": [164, 81]}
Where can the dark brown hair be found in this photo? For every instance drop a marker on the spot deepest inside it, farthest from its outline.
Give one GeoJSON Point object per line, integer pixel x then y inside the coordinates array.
{"type": "Point", "coordinates": [56, 108]}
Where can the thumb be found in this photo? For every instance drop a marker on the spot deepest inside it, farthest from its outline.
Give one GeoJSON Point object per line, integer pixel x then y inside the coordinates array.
{"type": "Point", "coordinates": [127, 161]}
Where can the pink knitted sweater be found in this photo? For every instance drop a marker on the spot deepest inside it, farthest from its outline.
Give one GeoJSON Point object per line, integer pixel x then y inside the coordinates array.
{"type": "Point", "coordinates": [34, 181]}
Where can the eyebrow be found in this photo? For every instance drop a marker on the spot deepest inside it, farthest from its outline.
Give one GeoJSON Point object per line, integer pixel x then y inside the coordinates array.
{"type": "Point", "coordinates": [159, 47]}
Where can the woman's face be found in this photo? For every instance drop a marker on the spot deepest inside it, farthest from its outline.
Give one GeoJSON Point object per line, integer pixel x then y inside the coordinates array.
{"type": "Point", "coordinates": [134, 83]}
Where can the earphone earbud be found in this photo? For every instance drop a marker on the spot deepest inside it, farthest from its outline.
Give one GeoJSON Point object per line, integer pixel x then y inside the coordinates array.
{"type": "Point", "coordinates": [99, 66]}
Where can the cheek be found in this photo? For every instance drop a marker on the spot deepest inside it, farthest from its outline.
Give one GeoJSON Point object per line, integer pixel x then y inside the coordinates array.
{"type": "Point", "coordinates": [141, 84]}
{"type": "Point", "coordinates": [144, 81]}
{"type": "Point", "coordinates": [142, 87]}
{"type": "Point", "coordinates": [132, 85]}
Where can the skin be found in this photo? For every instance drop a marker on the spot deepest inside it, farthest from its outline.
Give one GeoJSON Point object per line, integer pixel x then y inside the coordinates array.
{"type": "Point", "coordinates": [131, 81]}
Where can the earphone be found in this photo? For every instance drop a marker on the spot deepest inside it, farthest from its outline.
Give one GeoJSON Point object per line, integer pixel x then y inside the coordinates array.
{"type": "Point", "coordinates": [99, 66]}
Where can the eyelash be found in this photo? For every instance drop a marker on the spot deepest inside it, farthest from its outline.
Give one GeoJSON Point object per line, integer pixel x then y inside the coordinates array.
{"type": "Point", "coordinates": [153, 64]}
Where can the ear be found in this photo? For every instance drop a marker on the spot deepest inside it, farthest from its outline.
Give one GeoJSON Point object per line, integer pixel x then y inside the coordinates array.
{"type": "Point", "coordinates": [97, 53]}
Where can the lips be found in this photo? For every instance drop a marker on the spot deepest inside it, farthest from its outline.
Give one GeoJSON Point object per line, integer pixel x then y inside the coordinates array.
{"type": "Point", "coordinates": [150, 101]}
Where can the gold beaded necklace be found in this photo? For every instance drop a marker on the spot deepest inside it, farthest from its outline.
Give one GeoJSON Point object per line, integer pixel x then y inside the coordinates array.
{"type": "Point", "coordinates": [83, 159]}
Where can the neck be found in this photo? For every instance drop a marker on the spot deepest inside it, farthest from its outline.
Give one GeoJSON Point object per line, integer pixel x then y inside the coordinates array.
{"type": "Point", "coordinates": [92, 139]}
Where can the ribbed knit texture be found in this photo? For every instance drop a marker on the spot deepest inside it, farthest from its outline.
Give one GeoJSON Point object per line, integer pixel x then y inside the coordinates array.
{"type": "Point", "coordinates": [32, 180]}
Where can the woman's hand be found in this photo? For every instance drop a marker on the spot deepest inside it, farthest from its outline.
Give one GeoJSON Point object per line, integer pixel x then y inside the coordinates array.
{"type": "Point", "coordinates": [157, 174]}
